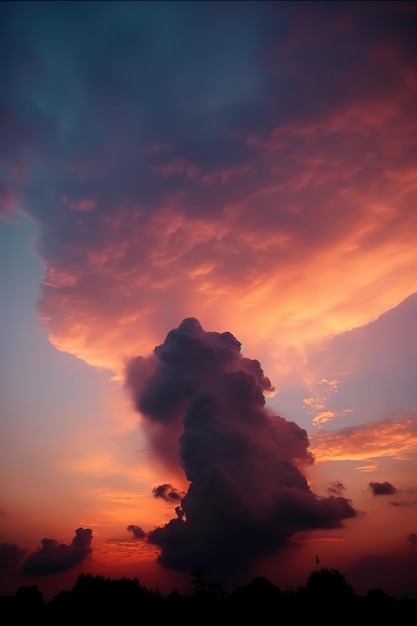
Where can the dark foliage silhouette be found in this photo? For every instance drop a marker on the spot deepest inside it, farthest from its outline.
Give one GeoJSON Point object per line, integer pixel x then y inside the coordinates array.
{"type": "Point", "coordinates": [94, 599]}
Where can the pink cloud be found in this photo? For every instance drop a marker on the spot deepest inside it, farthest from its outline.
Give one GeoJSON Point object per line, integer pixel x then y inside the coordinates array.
{"type": "Point", "coordinates": [79, 204]}
{"type": "Point", "coordinates": [7, 200]}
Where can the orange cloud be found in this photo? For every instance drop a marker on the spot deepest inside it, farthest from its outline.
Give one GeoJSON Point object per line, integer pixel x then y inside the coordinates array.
{"type": "Point", "coordinates": [395, 439]}
{"type": "Point", "coordinates": [339, 252]}
{"type": "Point", "coordinates": [232, 270]}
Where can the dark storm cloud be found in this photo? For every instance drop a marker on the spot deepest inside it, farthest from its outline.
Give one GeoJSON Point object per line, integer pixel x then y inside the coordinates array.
{"type": "Point", "coordinates": [130, 62]}
{"type": "Point", "coordinates": [10, 555]}
{"type": "Point", "coordinates": [136, 531]}
{"type": "Point", "coordinates": [247, 493]}
{"type": "Point", "coordinates": [125, 80]}
{"type": "Point", "coordinates": [167, 493]}
{"type": "Point", "coordinates": [382, 489]}
{"type": "Point", "coordinates": [53, 557]}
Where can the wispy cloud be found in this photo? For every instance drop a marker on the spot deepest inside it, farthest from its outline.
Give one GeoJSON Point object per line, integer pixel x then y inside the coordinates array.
{"type": "Point", "coordinates": [388, 438]}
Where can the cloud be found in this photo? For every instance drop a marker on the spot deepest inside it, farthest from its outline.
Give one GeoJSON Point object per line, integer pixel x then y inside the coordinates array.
{"type": "Point", "coordinates": [252, 178]}
{"type": "Point", "coordinates": [384, 438]}
{"type": "Point", "coordinates": [247, 493]}
{"type": "Point", "coordinates": [336, 488]}
{"type": "Point", "coordinates": [82, 204]}
{"type": "Point", "coordinates": [7, 200]}
{"type": "Point", "coordinates": [10, 555]}
{"type": "Point", "coordinates": [382, 489]}
{"type": "Point", "coordinates": [136, 531]}
{"type": "Point", "coordinates": [401, 503]}
{"type": "Point", "coordinates": [167, 493]}
{"type": "Point", "coordinates": [53, 557]}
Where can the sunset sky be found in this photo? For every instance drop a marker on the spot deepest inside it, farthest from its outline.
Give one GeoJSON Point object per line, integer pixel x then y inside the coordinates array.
{"type": "Point", "coordinates": [208, 292]}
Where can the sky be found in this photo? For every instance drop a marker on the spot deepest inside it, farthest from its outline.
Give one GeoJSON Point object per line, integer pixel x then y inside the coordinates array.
{"type": "Point", "coordinates": [208, 292]}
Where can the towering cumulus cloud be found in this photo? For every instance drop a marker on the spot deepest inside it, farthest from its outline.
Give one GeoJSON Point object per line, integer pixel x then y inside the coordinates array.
{"type": "Point", "coordinates": [247, 494]}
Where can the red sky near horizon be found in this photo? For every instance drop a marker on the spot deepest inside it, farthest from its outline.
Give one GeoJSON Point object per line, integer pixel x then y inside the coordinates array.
{"type": "Point", "coordinates": [234, 183]}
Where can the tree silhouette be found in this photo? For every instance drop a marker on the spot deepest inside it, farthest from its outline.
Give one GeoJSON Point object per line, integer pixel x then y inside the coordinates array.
{"type": "Point", "coordinates": [325, 583]}
{"type": "Point", "coordinates": [326, 597]}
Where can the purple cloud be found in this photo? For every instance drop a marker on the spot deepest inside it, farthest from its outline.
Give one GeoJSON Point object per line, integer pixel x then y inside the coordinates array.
{"type": "Point", "coordinates": [382, 489]}
{"type": "Point", "coordinates": [53, 557]}
{"type": "Point", "coordinates": [167, 493]}
{"type": "Point", "coordinates": [10, 555]}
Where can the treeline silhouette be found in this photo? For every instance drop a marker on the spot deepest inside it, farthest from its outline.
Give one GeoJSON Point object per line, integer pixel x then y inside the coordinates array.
{"type": "Point", "coordinates": [326, 596]}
